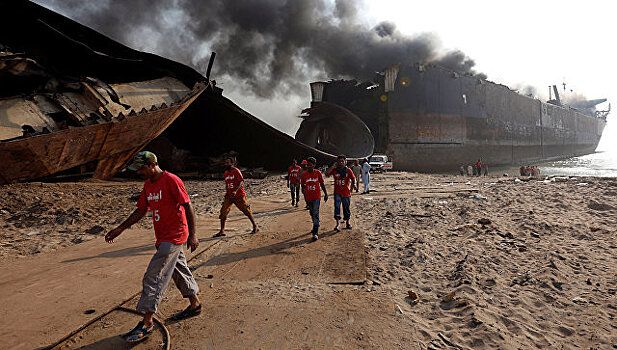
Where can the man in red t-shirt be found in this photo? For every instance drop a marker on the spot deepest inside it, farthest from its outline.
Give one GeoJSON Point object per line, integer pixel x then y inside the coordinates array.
{"type": "Point", "coordinates": [235, 195]}
{"type": "Point", "coordinates": [311, 180]}
{"type": "Point", "coordinates": [343, 177]}
{"type": "Point", "coordinates": [293, 182]}
{"type": "Point", "coordinates": [173, 219]}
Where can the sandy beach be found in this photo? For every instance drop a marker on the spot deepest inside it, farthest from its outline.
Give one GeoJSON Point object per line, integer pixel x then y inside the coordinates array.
{"type": "Point", "coordinates": [433, 262]}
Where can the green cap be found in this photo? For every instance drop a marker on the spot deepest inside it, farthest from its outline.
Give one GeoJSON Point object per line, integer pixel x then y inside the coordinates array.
{"type": "Point", "coordinates": [142, 158]}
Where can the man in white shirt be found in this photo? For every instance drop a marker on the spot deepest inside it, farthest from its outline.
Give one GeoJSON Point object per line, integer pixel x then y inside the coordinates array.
{"type": "Point", "coordinates": [366, 176]}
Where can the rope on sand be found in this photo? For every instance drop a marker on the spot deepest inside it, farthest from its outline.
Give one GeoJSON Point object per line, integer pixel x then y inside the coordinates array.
{"type": "Point", "coordinates": [65, 339]}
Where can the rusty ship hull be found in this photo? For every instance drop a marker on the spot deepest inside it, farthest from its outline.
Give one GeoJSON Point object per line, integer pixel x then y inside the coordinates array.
{"type": "Point", "coordinates": [431, 119]}
{"type": "Point", "coordinates": [110, 146]}
{"type": "Point", "coordinates": [71, 98]}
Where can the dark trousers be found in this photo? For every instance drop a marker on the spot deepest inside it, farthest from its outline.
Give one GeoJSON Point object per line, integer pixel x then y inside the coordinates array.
{"type": "Point", "coordinates": [295, 192]}
{"type": "Point", "coordinates": [314, 211]}
{"type": "Point", "coordinates": [346, 202]}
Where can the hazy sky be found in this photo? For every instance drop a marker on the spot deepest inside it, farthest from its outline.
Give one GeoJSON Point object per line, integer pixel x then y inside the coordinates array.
{"type": "Point", "coordinates": [516, 43]}
{"type": "Point", "coordinates": [536, 43]}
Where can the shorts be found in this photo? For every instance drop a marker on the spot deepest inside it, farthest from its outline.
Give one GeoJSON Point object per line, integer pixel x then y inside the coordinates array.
{"type": "Point", "coordinates": [240, 203]}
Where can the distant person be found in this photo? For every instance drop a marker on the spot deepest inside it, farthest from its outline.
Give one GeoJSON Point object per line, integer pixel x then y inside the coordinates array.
{"type": "Point", "coordinates": [173, 219]}
{"type": "Point", "coordinates": [357, 170]}
{"type": "Point", "coordinates": [303, 166]}
{"type": "Point", "coordinates": [527, 170]}
{"type": "Point", "coordinates": [311, 180]}
{"type": "Point", "coordinates": [478, 167]}
{"type": "Point", "coordinates": [343, 178]}
{"type": "Point", "coordinates": [522, 170]}
{"type": "Point", "coordinates": [234, 185]}
{"type": "Point", "coordinates": [462, 170]}
{"type": "Point", "coordinates": [366, 175]}
{"type": "Point", "coordinates": [470, 170]}
{"type": "Point", "coordinates": [293, 182]}
{"type": "Point", "coordinates": [485, 169]}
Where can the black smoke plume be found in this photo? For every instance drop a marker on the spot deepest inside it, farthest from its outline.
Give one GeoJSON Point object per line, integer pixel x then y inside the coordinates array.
{"type": "Point", "coordinates": [270, 47]}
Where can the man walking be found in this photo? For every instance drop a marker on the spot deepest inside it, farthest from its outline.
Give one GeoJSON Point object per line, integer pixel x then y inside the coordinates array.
{"type": "Point", "coordinates": [293, 182]}
{"type": "Point", "coordinates": [311, 180]}
{"type": "Point", "coordinates": [302, 170]}
{"type": "Point", "coordinates": [234, 184]}
{"type": "Point", "coordinates": [357, 170]}
{"type": "Point", "coordinates": [173, 219]}
{"type": "Point", "coordinates": [366, 175]}
{"type": "Point", "coordinates": [343, 176]}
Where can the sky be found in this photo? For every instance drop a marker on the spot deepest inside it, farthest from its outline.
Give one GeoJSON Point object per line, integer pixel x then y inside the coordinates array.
{"type": "Point", "coordinates": [516, 43]}
{"type": "Point", "coordinates": [537, 43]}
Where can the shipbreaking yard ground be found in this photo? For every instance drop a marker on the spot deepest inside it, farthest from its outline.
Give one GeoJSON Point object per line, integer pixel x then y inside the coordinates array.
{"type": "Point", "coordinates": [276, 289]}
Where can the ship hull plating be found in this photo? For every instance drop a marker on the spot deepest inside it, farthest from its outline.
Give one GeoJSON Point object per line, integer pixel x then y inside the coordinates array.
{"type": "Point", "coordinates": [431, 119]}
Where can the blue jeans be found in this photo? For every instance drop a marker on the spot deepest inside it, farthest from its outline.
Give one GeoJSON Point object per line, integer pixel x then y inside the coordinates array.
{"type": "Point", "coordinates": [346, 201]}
{"type": "Point", "coordinates": [314, 211]}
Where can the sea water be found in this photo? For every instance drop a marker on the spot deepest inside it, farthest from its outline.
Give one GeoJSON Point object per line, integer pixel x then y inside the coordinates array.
{"type": "Point", "coordinates": [599, 164]}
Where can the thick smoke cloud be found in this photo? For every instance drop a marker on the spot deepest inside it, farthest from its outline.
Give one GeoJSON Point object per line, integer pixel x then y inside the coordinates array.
{"type": "Point", "coordinates": [270, 47]}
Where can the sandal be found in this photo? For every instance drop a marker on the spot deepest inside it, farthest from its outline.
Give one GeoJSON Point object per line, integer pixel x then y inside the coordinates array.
{"type": "Point", "coordinates": [186, 313]}
{"type": "Point", "coordinates": [255, 230]}
{"type": "Point", "coordinates": [220, 234]}
{"type": "Point", "coordinates": [139, 333]}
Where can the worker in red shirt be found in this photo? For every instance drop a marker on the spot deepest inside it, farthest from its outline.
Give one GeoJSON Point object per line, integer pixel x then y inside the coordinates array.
{"type": "Point", "coordinates": [302, 170]}
{"type": "Point", "coordinates": [293, 182]}
{"type": "Point", "coordinates": [478, 167]}
{"type": "Point", "coordinates": [173, 219]}
{"type": "Point", "coordinates": [234, 184]}
{"type": "Point", "coordinates": [343, 177]}
{"type": "Point", "coordinates": [311, 180]}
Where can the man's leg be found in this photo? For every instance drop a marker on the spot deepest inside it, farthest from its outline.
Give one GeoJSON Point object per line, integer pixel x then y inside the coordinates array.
{"type": "Point", "coordinates": [297, 194]}
{"type": "Point", "coordinates": [314, 210]}
{"type": "Point", "coordinates": [225, 208]}
{"type": "Point", "coordinates": [293, 193]}
{"type": "Point", "coordinates": [337, 211]}
{"type": "Point", "coordinates": [156, 279]}
{"type": "Point", "coordinates": [346, 201]}
{"type": "Point", "coordinates": [185, 282]}
{"type": "Point", "coordinates": [245, 208]}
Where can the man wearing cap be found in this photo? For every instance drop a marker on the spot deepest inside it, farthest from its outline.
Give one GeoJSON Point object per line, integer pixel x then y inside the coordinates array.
{"type": "Point", "coordinates": [293, 182]}
{"type": "Point", "coordinates": [234, 184]}
{"type": "Point", "coordinates": [311, 181]}
{"type": "Point", "coordinates": [173, 219]}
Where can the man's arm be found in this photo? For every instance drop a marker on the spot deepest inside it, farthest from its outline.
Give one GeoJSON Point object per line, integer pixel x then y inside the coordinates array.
{"type": "Point", "coordinates": [329, 171]}
{"type": "Point", "coordinates": [323, 188]}
{"type": "Point", "coordinates": [192, 241]}
{"type": "Point", "coordinates": [240, 184]}
{"type": "Point", "coordinates": [132, 219]}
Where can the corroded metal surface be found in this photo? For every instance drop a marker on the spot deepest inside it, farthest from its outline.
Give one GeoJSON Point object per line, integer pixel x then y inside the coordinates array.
{"type": "Point", "coordinates": [434, 119]}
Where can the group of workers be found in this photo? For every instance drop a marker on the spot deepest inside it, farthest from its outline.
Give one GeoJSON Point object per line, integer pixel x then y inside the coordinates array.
{"type": "Point", "coordinates": [529, 170]}
{"type": "Point", "coordinates": [476, 169]}
{"type": "Point", "coordinates": [173, 219]}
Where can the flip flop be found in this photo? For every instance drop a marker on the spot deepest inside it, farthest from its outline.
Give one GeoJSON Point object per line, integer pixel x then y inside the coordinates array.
{"type": "Point", "coordinates": [255, 230]}
{"type": "Point", "coordinates": [139, 333]}
{"type": "Point", "coordinates": [219, 235]}
{"type": "Point", "coordinates": [186, 313]}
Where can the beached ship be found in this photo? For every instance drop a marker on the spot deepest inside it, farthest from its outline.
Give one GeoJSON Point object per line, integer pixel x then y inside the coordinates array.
{"type": "Point", "coordinates": [432, 119]}
{"type": "Point", "coordinates": [70, 97]}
